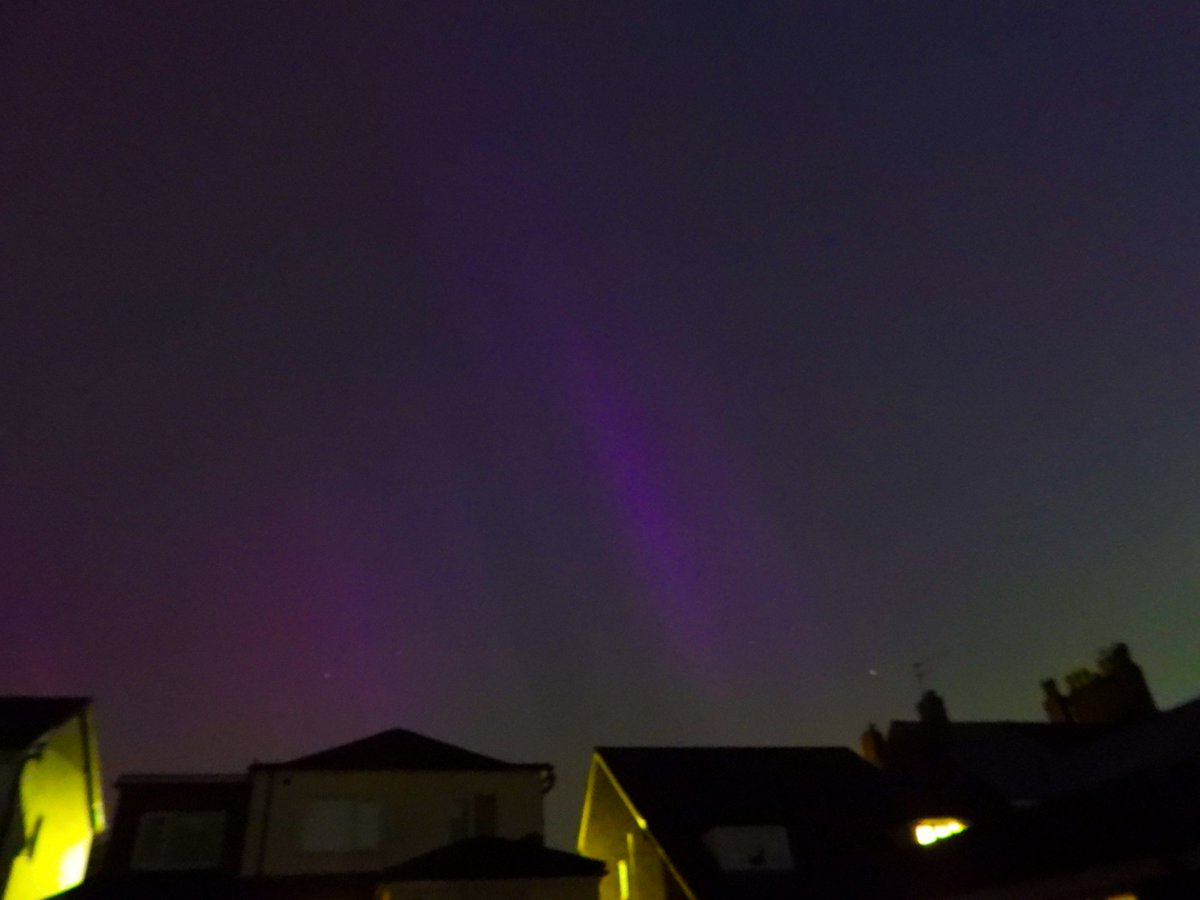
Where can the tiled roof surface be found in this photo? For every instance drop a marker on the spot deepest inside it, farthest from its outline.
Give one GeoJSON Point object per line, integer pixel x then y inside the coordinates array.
{"type": "Point", "coordinates": [402, 749]}
{"type": "Point", "coordinates": [1150, 814]}
{"type": "Point", "coordinates": [493, 858]}
{"type": "Point", "coordinates": [706, 786]}
{"type": "Point", "coordinates": [1026, 761]}
{"type": "Point", "coordinates": [842, 814]}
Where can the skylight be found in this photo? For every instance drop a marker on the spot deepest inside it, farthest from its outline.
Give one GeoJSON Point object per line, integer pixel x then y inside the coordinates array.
{"type": "Point", "coordinates": [750, 848]}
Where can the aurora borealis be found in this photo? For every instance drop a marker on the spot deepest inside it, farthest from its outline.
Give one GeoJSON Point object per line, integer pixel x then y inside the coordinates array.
{"type": "Point", "coordinates": [540, 376]}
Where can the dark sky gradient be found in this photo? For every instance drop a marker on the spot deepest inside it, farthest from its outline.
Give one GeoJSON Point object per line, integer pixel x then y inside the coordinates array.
{"type": "Point", "coordinates": [538, 376]}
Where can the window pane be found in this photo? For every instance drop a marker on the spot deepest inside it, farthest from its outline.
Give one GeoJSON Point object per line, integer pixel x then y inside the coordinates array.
{"type": "Point", "coordinates": [150, 842]}
{"type": "Point", "coordinates": [328, 826]}
{"type": "Point", "coordinates": [194, 840]}
{"type": "Point", "coordinates": [744, 848]}
{"type": "Point", "coordinates": [366, 826]}
{"type": "Point", "coordinates": [485, 815]}
{"type": "Point", "coordinates": [460, 821]}
{"type": "Point", "coordinates": [179, 840]}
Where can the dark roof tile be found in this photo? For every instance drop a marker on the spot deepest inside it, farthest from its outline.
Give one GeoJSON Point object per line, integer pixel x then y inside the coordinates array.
{"type": "Point", "coordinates": [842, 815]}
{"type": "Point", "coordinates": [402, 749]}
{"type": "Point", "coordinates": [25, 719]}
{"type": "Point", "coordinates": [705, 786]}
{"type": "Point", "coordinates": [494, 858]}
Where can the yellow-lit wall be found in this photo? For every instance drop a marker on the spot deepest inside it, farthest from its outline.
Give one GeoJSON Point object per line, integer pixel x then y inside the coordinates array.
{"type": "Point", "coordinates": [506, 889]}
{"type": "Point", "coordinates": [610, 831]}
{"type": "Point", "coordinates": [58, 811]}
{"type": "Point", "coordinates": [416, 812]}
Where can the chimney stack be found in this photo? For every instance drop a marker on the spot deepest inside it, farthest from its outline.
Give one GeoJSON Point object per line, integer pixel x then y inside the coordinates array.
{"type": "Point", "coordinates": [931, 709]}
{"type": "Point", "coordinates": [873, 745]}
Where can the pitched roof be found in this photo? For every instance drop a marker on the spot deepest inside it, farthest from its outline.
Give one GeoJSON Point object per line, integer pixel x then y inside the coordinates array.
{"type": "Point", "coordinates": [840, 813]}
{"type": "Point", "coordinates": [1170, 737]}
{"type": "Point", "coordinates": [1015, 761]}
{"type": "Point", "coordinates": [1036, 760]}
{"type": "Point", "coordinates": [707, 786]}
{"type": "Point", "coordinates": [180, 778]}
{"type": "Point", "coordinates": [481, 858]}
{"type": "Point", "coordinates": [25, 719]}
{"type": "Point", "coordinates": [1046, 734]}
{"type": "Point", "coordinates": [1149, 814]}
{"type": "Point", "coordinates": [399, 748]}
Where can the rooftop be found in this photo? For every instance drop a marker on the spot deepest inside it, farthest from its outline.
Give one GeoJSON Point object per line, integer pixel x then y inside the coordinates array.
{"type": "Point", "coordinates": [706, 786]}
{"type": "Point", "coordinates": [23, 720]}
{"type": "Point", "coordinates": [181, 778]}
{"type": "Point", "coordinates": [487, 858]}
{"type": "Point", "coordinates": [399, 748]}
{"type": "Point", "coordinates": [840, 817]}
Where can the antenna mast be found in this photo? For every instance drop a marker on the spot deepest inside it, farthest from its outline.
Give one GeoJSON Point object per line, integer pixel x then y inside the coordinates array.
{"type": "Point", "coordinates": [920, 670]}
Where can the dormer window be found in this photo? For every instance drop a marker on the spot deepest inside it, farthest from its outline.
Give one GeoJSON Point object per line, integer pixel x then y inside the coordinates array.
{"type": "Point", "coordinates": [476, 817]}
{"type": "Point", "coordinates": [175, 840]}
{"type": "Point", "coordinates": [930, 831]}
{"type": "Point", "coordinates": [750, 848]}
{"type": "Point", "coordinates": [340, 826]}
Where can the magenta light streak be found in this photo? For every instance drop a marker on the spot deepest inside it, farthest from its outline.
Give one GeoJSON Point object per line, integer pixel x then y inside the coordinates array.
{"type": "Point", "coordinates": [525, 293]}
{"type": "Point", "coordinates": [549, 291]}
{"type": "Point", "coordinates": [656, 535]}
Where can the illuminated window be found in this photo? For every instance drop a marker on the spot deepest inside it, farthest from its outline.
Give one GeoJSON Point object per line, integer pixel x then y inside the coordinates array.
{"type": "Point", "coordinates": [930, 831]}
{"type": "Point", "coordinates": [179, 840]}
{"type": "Point", "coordinates": [340, 826]}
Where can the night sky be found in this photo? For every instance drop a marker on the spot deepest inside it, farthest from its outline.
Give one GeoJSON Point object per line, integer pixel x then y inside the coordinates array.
{"type": "Point", "coordinates": [545, 375]}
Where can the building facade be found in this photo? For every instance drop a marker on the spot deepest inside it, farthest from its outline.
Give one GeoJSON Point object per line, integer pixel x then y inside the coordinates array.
{"type": "Point", "coordinates": [50, 788]}
{"type": "Point", "coordinates": [374, 803]}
